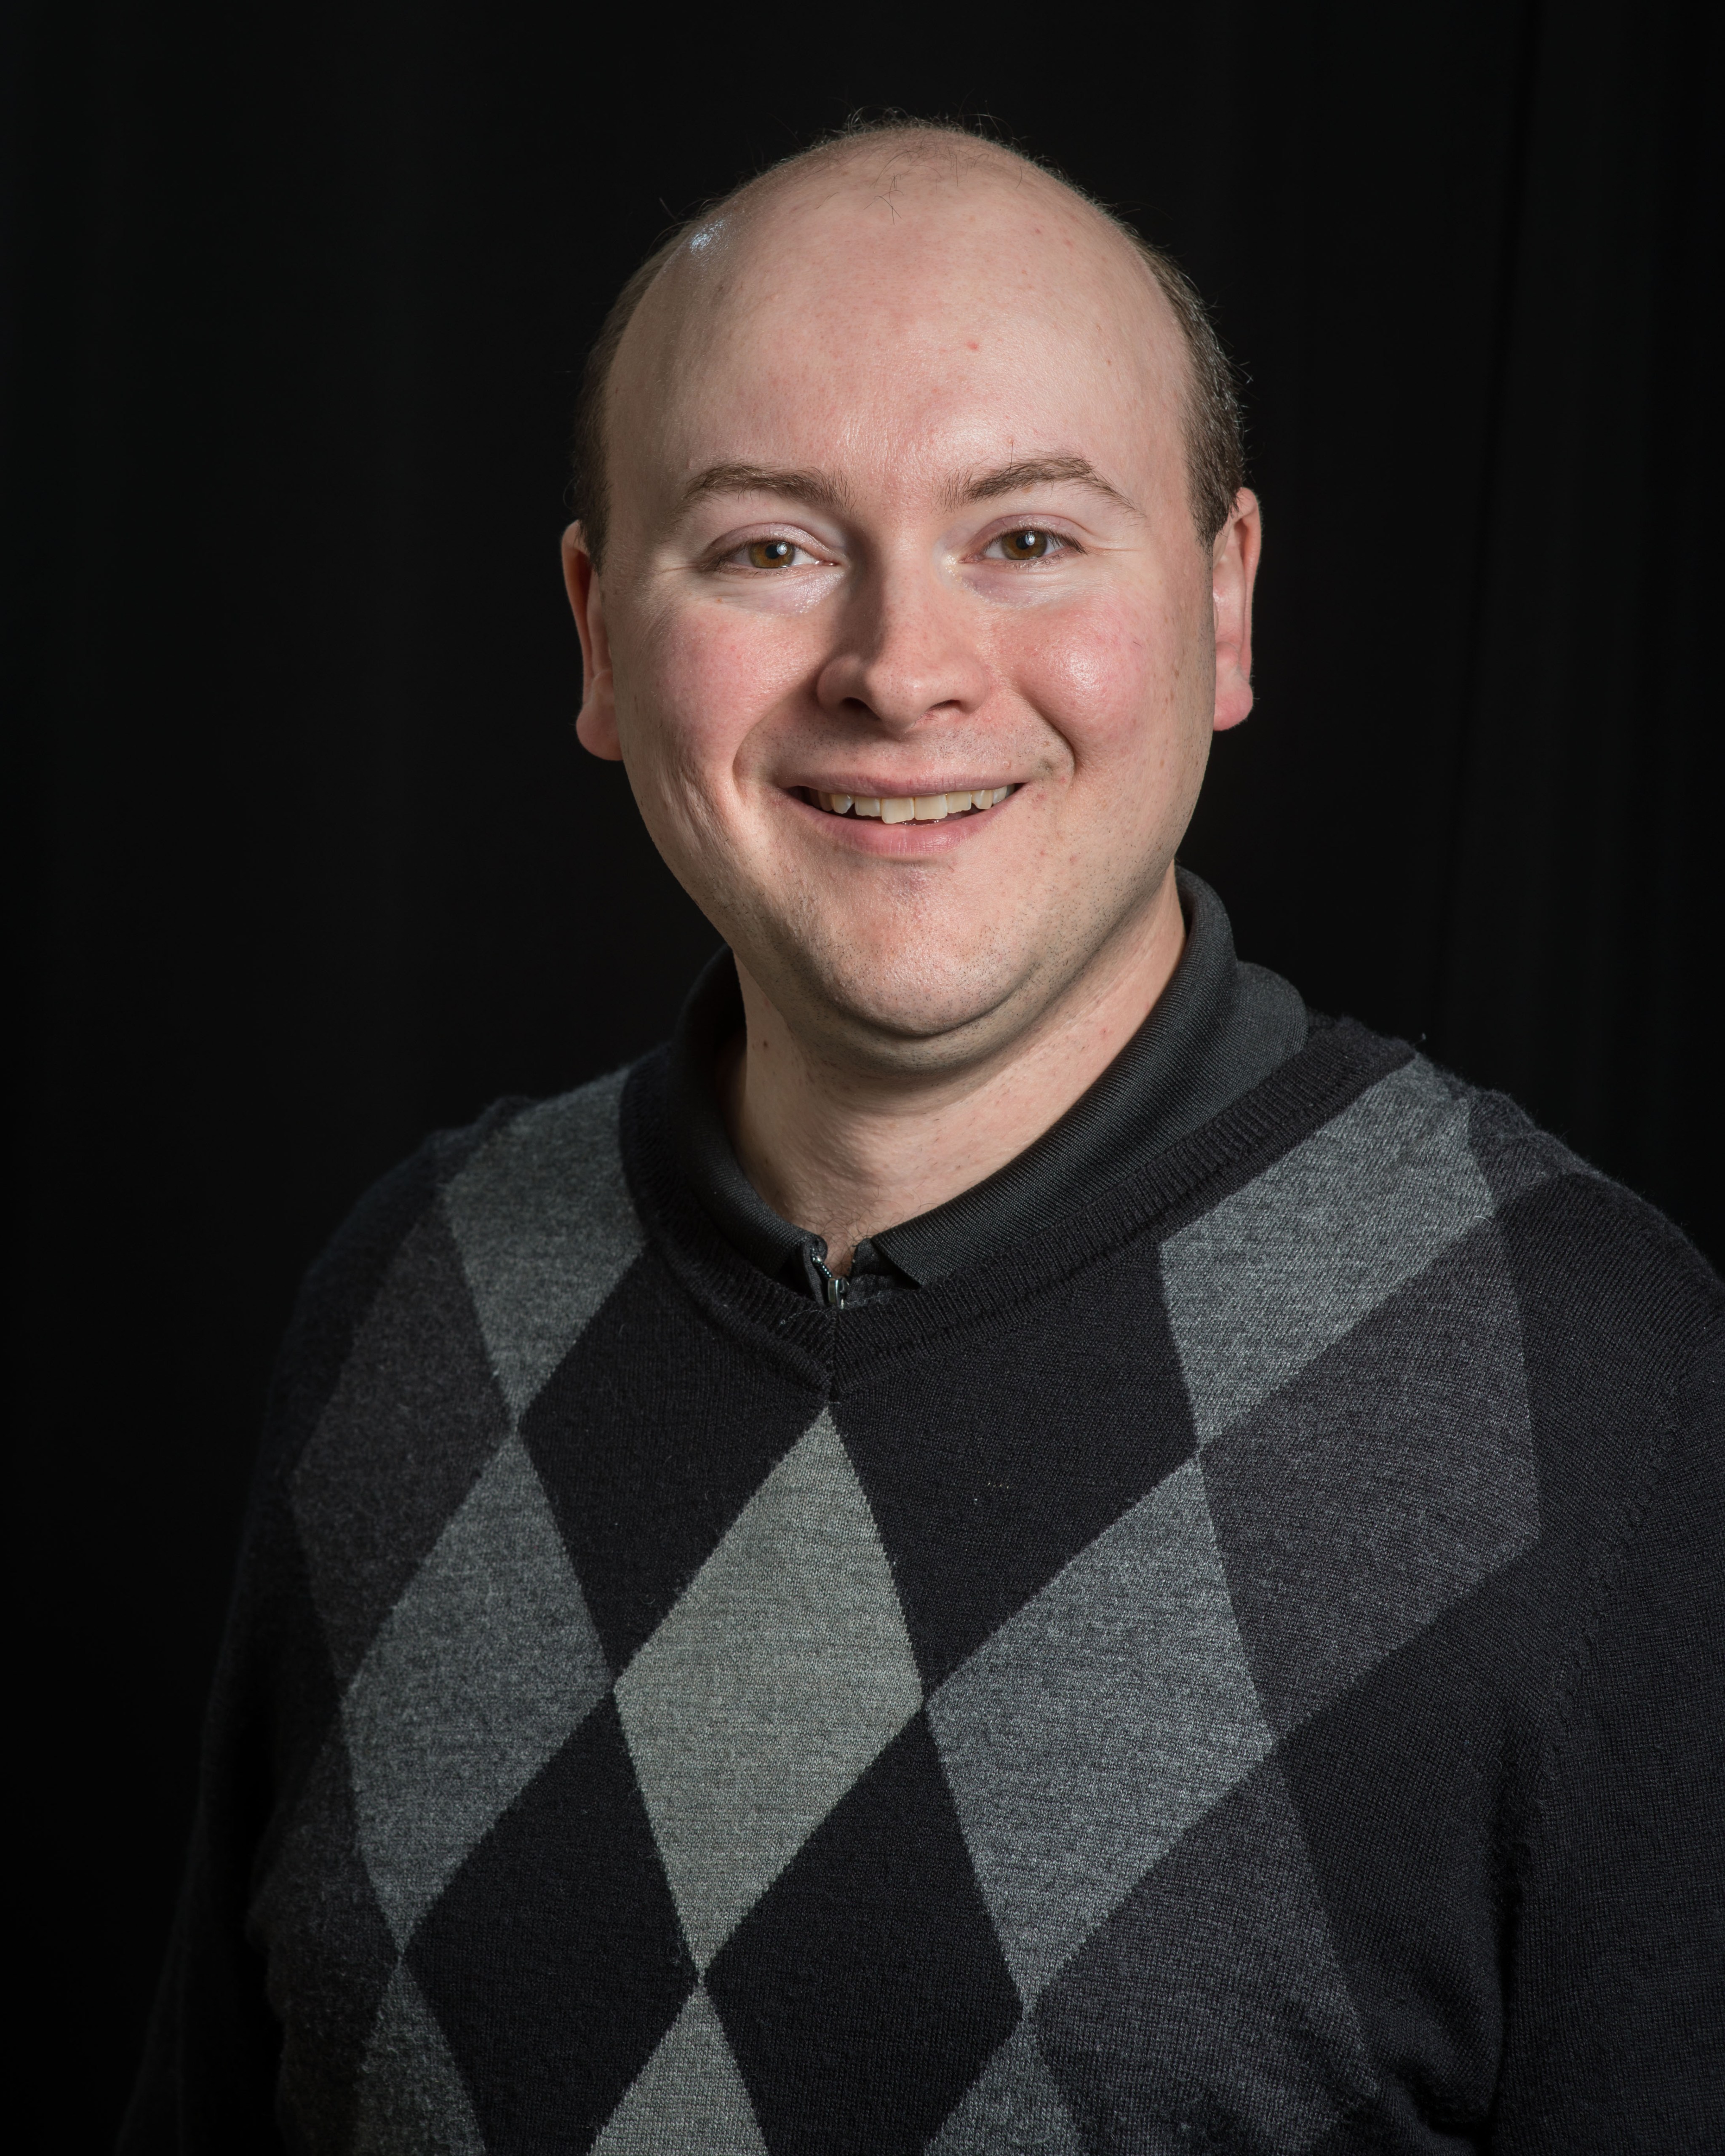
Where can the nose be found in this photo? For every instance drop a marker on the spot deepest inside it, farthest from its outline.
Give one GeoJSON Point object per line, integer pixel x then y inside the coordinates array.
{"type": "Point", "coordinates": [908, 650]}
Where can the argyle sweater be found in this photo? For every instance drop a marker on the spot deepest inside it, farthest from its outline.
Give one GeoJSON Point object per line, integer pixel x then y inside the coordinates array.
{"type": "Point", "coordinates": [1239, 1671]}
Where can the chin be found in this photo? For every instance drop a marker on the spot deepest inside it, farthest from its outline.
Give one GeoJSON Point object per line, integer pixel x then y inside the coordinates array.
{"type": "Point", "coordinates": [907, 1007]}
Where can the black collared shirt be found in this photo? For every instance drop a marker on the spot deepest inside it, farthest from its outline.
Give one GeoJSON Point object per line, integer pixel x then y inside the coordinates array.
{"type": "Point", "coordinates": [1218, 1028]}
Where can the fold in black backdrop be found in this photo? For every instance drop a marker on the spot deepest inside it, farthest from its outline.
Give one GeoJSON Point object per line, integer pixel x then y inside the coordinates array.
{"type": "Point", "coordinates": [301, 292]}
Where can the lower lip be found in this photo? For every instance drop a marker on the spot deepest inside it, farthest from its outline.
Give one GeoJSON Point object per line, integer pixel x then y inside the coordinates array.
{"type": "Point", "coordinates": [869, 834]}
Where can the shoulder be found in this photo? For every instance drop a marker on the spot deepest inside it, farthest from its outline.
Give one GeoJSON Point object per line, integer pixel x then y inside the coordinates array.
{"type": "Point", "coordinates": [480, 1226]}
{"type": "Point", "coordinates": [1598, 1270]}
{"type": "Point", "coordinates": [1426, 1347]}
{"type": "Point", "coordinates": [1434, 1225]}
{"type": "Point", "coordinates": [456, 1290]}
{"type": "Point", "coordinates": [1614, 1307]}
{"type": "Point", "coordinates": [1429, 1156]}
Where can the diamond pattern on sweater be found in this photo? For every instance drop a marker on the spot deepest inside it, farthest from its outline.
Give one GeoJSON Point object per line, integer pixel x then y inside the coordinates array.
{"type": "Point", "coordinates": [651, 1437]}
{"type": "Point", "coordinates": [1265, 1281]}
{"type": "Point", "coordinates": [414, 1417]}
{"type": "Point", "coordinates": [483, 1669]}
{"type": "Point", "coordinates": [688, 2096]}
{"type": "Point", "coordinates": [766, 1896]}
{"type": "Point", "coordinates": [1211, 2011]}
{"type": "Point", "coordinates": [978, 1510]}
{"type": "Point", "coordinates": [1366, 1498]}
{"type": "Point", "coordinates": [865, 1989]}
{"type": "Point", "coordinates": [547, 1229]}
{"type": "Point", "coordinates": [587, 1968]}
{"type": "Point", "coordinates": [1013, 2107]}
{"type": "Point", "coordinates": [412, 2094]}
{"type": "Point", "coordinates": [1097, 1725]}
{"type": "Point", "coordinates": [1514, 1155]}
{"type": "Point", "coordinates": [780, 1675]}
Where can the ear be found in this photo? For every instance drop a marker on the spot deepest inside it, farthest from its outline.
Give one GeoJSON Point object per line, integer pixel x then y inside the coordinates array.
{"type": "Point", "coordinates": [1234, 571]}
{"type": "Point", "coordinates": [596, 728]}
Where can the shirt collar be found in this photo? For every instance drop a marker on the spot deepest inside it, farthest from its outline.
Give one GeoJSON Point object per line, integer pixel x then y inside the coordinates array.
{"type": "Point", "coordinates": [1218, 1028]}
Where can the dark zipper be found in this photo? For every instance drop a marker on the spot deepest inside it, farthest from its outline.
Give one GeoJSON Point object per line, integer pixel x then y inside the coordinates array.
{"type": "Point", "coordinates": [833, 1286]}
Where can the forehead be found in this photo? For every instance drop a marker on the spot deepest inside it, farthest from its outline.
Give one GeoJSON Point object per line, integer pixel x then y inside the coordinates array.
{"type": "Point", "coordinates": [898, 311]}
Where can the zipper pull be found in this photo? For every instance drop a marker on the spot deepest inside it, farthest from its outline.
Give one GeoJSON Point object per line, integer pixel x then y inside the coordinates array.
{"type": "Point", "coordinates": [833, 1286]}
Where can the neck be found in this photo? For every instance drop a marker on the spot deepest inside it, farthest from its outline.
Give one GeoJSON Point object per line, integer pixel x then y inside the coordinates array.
{"type": "Point", "coordinates": [846, 1153]}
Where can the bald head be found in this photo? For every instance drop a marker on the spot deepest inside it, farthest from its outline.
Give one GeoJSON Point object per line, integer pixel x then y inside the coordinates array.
{"type": "Point", "coordinates": [922, 224]}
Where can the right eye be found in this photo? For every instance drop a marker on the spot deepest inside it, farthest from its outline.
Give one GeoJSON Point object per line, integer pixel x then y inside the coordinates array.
{"type": "Point", "coordinates": [771, 553]}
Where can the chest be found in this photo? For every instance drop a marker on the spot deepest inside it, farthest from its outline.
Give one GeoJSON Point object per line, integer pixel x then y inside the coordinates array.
{"type": "Point", "coordinates": [1018, 1750]}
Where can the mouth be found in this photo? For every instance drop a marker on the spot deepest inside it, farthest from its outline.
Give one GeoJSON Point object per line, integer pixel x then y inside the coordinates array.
{"type": "Point", "coordinates": [909, 807]}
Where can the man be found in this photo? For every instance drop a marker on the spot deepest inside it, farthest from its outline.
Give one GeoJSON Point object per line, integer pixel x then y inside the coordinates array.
{"type": "Point", "coordinates": [1017, 1544]}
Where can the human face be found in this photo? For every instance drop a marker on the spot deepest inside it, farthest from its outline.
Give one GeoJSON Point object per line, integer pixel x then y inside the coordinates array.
{"type": "Point", "coordinates": [900, 514]}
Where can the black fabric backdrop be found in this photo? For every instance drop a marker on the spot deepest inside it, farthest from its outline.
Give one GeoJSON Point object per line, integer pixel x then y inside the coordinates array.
{"type": "Point", "coordinates": [300, 294]}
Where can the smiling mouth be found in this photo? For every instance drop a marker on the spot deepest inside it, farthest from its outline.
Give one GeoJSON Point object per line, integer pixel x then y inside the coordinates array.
{"type": "Point", "coordinates": [909, 807]}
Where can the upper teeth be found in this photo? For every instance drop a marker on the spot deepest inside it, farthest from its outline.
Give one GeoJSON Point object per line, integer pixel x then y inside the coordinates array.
{"type": "Point", "coordinates": [901, 808]}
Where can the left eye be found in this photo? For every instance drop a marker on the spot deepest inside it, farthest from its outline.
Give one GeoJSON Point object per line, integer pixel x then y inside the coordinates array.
{"type": "Point", "coordinates": [771, 553]}
{"type": "Point", "coordinates": [1027, 545]}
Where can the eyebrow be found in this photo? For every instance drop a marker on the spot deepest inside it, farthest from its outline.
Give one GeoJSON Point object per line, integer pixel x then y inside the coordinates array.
{"type": "Point", "coordinates": [806, 485]}
{"type": "Point", "coordinates": [1040, 471]}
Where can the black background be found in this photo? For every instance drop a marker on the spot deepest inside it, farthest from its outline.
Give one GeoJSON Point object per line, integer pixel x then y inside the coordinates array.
{"type": "Point", "coordinates": [300, 295]}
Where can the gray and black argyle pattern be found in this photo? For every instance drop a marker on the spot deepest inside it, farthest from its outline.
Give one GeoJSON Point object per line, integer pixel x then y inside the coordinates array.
{"type": "Point", "coordinates": [1111, 1704]}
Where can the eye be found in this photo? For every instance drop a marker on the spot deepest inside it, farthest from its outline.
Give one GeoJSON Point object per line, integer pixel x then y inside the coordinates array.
{"type": "Point", "coordinates": [1027, 544]}
{"type": "Point", "coordinates": [771, 553]}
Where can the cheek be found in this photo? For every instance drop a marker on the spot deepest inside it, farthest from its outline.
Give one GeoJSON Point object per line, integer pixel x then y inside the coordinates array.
{"type": "Point", "coordinates": [695, 685]}
{"type": "Point", "coordinates": [1109, 680]}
